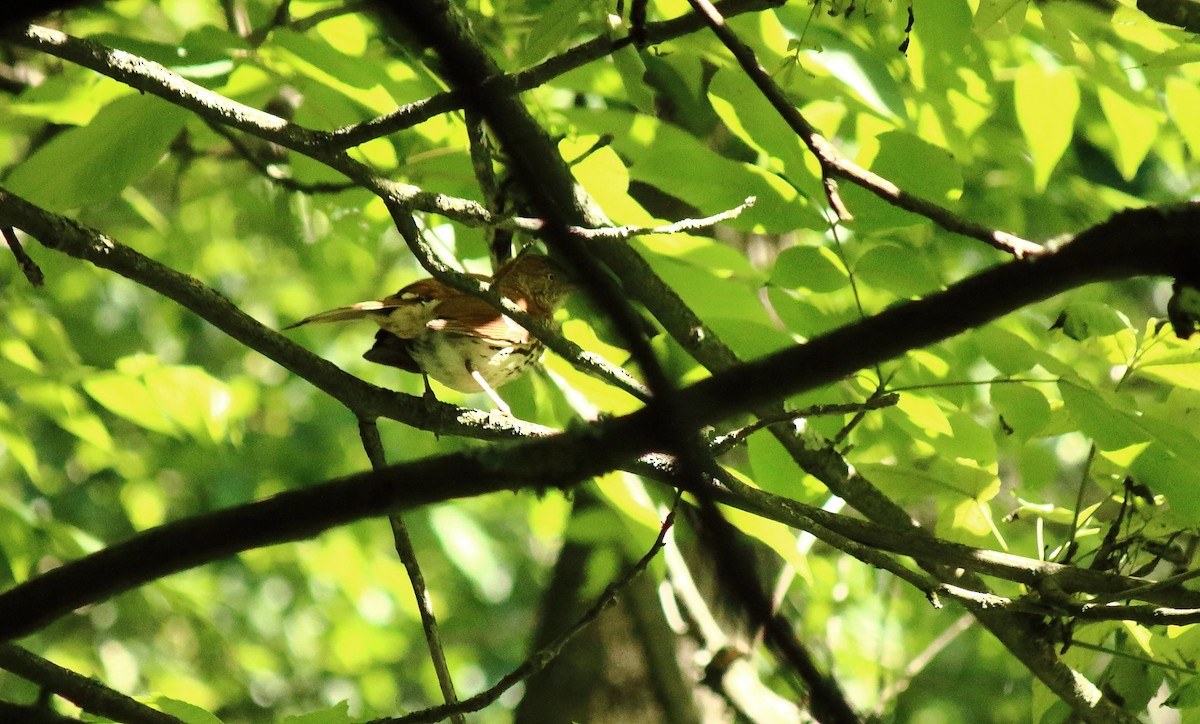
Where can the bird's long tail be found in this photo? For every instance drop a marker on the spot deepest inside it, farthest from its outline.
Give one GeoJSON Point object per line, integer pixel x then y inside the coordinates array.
{"type": "Point", "coordinates": [362, 310]}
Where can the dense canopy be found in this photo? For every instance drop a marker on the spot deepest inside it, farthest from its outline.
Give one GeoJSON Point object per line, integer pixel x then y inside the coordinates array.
{"type": "Point", "coordinates": [879, 396]}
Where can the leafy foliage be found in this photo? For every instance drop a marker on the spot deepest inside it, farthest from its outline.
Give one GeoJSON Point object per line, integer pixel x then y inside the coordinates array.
{"type": "Point", "coordinates": [1066, 432]}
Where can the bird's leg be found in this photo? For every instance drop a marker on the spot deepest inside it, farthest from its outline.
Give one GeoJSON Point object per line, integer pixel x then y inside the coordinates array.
{"type": "Point", "coordinates": [487, 389]}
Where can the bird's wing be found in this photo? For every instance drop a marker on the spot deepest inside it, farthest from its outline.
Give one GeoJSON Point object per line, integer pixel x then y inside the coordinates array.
{"type": "Point", "coordinates": [473, 316]}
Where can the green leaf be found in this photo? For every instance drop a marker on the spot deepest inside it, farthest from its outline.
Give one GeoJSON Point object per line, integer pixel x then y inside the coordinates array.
{"type": "Point", "coordinates": [605, 178]}
{"type": "Point", "coordinates": [707, 294]}
{"type": "Point", "coordinates": [712, 183]}
{"type": "Point", "coordinates": [557, 22]}
{"type": "Point", "coordinates": [61, 99]}
{"type": "Point", "coordinates": [741, 106]}
{"type": "Point", "coordinates": [946, 478]}
{"type": "Point", "coordinates": [17, 447]}
{"type": "Point", "coordinates": [1185, 374]}
{"type": "Point", "coordinates": [800, 315]}
{"type": "Point", "coordinates": [189, 713]}
{"type": "Point", "coordinates": [1186, 696]}
{"type": "Point", "coordinates": [1134, 126]}
{"type": "Point", "coordinates": [1160, 454]}
{"type": "Point", "coordinates": [749, 338]}
{"type": "Point", "coordinates": [632, 69]}
{"type": "Point", "coordinates": [1046, 102]}
{"type": "Point", "coordinates": [1000, 19]}
{"type": "Point", "coordinates": [1022, 407]}
{"type": "Point", "coordinates": [128, 397]}
{"type": "Point", "coordinates": [899, 270]}
{"type": "Point", "coordinates": [773, 467]}
{"type": "Point", "coordinates": [344, 74]}
{"type": "Point", "coordinates": [1006, 351]}
{"type": "Point", "coordinates": [1183, 103]}
{"type": "Point", "coordinates": [970, 440]}
{"type": "Point", "coordinates": [1172, 472]}
{"type": "Point", "coordinates": [1098, 417]}
{"type": "Point", "coordinates": [915, 165]}
{"type": "Point", "coordinates": [1082, 320]}
{"type": "Point", "coordinates": [198, 402]}
{"type": "Point", "coordinates": [87, 165]}
{"type": "Point", "coordinates": [336, 714]}
{"type": "Point", "coordinates": [924, 413]}
{"type": "Point", "coordinates": [812, 268]}
{"type": "Point", "coordinates": [863, 72]}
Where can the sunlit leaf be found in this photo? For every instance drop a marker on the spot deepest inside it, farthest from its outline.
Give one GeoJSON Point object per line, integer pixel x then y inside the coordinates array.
{"type": "Point", "coordinates": [1046, 101]}
{"type": "Point", "coordinates": [1000, 19]}
{"type": "Point", "coordinates": [1134, 127]}
{"type": "Point", "coordinates": [94, 163]}
{"type": "Point", "coordinates": [129, 398]}
{"type": "Point", "coordinates": [1183, 103]}
{"type": "Point", "coordinates": [813, 268]}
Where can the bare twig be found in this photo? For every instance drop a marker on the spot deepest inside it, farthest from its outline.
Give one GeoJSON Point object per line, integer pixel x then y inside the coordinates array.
{"type": "Point", "coordinates": [373, 446]}
{"type": "Point", "coordinates": [628, 232]}
{"type": "Point", "coordinates": [499, 239]}
{"type": "Point", "coordinates": [28, 266]}
{"type": "Point", "coordinates": [1139, 591]}
{"type": "Point", "coordinates": [921, 660]}
{"type": "Point", "coordinates": [420, 111]}
{"type": "Point", "coordinates": [723, 443]}
{"type": "Point", "coordinates": [291, 184]}
{"type": "Point", "coordinates": [540, 659]}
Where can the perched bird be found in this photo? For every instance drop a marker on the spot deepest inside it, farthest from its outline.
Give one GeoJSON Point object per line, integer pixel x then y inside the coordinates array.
{"type": "Point", "coordinates": [456, 338]}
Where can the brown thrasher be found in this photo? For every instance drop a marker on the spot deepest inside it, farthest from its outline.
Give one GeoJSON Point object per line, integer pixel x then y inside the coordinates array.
{"type": "Point", "coordinates": [458, 339]}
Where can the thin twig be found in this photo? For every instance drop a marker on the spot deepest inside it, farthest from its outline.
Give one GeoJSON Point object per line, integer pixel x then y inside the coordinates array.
{"type": "Point", "coordinates": [723, 443]}
{"type": "Point", "coordinates": [401, 199]}
{"type": "Point", "coordinates": [1138, 591]}
{"type": "Point", "coordinates": [28, 266]}
{"type": "Point", "coordinates": [369, 433]}
{"type": "Point", "coordinates": [921, 660]}
{"type": "Point", "coordinates": [420, 111]}
{"type": "Point", "coordinates": [499, 240]}
{"type": "Point", "coordinates": [628, 232]}
{"type": "Point", "coordinates": [291, 184]}
{"type": "Point", "coordinates": [588, 362]}
{"type": "Point", "coordinates": [546, 654]}
{"type": "Point", "coordinates": [833, 164]}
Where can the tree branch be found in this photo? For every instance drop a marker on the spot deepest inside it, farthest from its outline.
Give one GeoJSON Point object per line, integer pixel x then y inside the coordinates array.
{"type": "Point", "coordinates": [420, 111]}
{"type": "Point", "coordinates": [364, 399]}
{"type": "Point", "coordinates": [1147, 241]}
{"type": "Point", "coordinates": [834, 164]}
{"type": "Point", "coordinates": [540, 659]}
{"type": "Point", "coordinates": [88, 694]}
